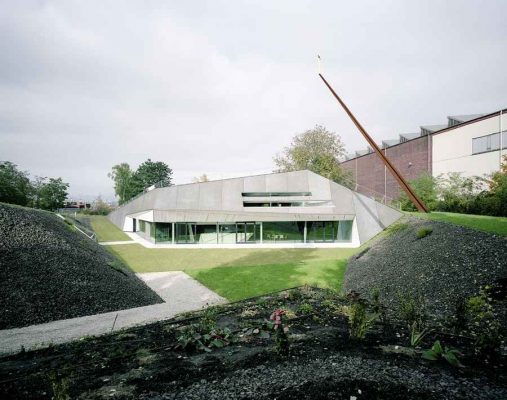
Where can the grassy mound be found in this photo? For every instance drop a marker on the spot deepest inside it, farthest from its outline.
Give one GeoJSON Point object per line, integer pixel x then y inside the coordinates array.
{"type": "Point", "coordinates": [50, 272]}
{"type": "Point", "coordinates": [439, 262]}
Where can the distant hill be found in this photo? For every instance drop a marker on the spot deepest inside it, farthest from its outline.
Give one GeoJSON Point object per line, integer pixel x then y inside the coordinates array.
{"type": "Point", "coordinates": [49, 272]}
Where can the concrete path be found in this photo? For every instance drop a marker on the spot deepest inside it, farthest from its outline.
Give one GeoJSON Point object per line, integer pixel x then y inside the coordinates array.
{"type": "Point", "coordinates": [117, 242]}
{"type": "Point", "coordinates": [179, 291]}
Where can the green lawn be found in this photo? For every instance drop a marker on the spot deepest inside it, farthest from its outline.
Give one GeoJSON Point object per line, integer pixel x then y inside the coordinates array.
{"type": "Point", "coordinates": [240, 273]}
{"type": "Point", "coordinates": [497, 225]}
{"type": "Point", "coordinates": [247, 281]}
{"type": "Point", "coordinates": [105, 230]}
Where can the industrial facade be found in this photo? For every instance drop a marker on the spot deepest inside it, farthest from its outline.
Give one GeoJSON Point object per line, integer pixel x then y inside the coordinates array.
{"type": "Point", "coordinates": [288, 209]}
{"type": "Point", "coordinates": [469, 144]}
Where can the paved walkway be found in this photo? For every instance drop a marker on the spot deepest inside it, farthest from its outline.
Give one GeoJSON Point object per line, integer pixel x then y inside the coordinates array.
{"type": "Point", "coordinates": [117, 242]}
{"type": "Point", "coordinates": [179, 291]}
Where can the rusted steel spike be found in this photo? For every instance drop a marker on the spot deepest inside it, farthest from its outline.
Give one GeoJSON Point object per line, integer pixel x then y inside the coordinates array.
{"type": "Point", "coordinates": [404, 184]}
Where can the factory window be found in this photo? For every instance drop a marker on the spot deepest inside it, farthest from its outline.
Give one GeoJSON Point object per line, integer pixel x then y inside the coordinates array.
{"type": "Point", "coordinates": [487, 143]}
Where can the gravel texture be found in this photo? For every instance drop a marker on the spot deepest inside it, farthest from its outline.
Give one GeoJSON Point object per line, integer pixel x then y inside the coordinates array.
{"type": "Point", "coordinates": [338, 377]}
{"type": "Point", "coordinates": [50, 272]}
{"type": "Point", "coordinates": [448, 265]}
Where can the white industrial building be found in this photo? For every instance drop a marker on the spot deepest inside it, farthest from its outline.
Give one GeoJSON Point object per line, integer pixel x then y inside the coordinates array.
{"type": "Point", "coordinates": [471, 146]}
{"type": "Point", "coordinates": [292, 209]}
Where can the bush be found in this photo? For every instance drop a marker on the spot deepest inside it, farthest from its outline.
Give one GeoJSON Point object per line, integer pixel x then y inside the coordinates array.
{"type": "Point", "coordinates": [423, 232]}
{"type": "Point", "coordinates": [412, 309]}
{"type": "Point", "coordinates": [483, 324]}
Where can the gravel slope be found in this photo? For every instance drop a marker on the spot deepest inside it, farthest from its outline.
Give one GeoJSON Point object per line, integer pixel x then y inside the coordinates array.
{"type": "Point", "coordinates": [49, 272]}
{"type": "Point", "coordinates": [449, 264]}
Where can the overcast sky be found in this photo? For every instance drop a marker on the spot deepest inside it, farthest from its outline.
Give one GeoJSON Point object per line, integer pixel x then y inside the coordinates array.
{"type": "Point", "coordinates": [220, 87]}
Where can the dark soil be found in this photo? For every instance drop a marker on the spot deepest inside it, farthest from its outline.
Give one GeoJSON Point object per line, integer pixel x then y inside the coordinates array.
{"type": "Point", "coordinates": [322, 363]}
{"type": "Point", "coordinates": [444, 268]}
{"type": "Point", "coordinates": [49, 272]}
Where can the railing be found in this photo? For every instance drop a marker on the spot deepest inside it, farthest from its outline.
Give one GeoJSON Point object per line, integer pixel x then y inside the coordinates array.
{"type": "Point", "coordinates": [91, 235]}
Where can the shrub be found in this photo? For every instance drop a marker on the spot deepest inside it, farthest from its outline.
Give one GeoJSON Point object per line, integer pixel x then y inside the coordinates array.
{"type": "Point", "coordinates": [360, 321]}
{"type": "Point", "coordinates": [279, 325]}
{"type": "Point", "coordinates": [412, 308]}
{"type": "Point", "coordinates": [482, 323]}
{"type": "Point", "coordinates": [423, 232]}
{"type": "Point", "coordinates": [305, 308]}
{"type": "Point", "coordinates": [396, 227]}
{"type": "Point", "coordinates": [192, 338]}
{"type": "Point", "coordinates": [437, 352]}
{"type": "Point", "coordinates": [60, 386]}
{"type": "Point", "coordinates": [416, 334]}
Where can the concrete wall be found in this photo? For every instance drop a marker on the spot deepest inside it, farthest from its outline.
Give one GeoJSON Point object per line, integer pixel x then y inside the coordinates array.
{"type": "Point", "coordinates": [452, 149]}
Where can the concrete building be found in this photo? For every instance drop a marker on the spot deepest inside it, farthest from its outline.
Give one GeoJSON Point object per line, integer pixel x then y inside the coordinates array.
{"type": "Point", "coordinates": [469, 144]}
{"type": "Point", "coordinates": [292, 209]}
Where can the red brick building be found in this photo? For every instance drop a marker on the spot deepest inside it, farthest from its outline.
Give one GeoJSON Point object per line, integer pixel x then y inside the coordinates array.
{"type": "Point", "coordinates": [411, 157]}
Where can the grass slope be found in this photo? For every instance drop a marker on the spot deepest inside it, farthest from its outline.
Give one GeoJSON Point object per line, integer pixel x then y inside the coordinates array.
{"type": "Point", "coordinates": [241, 273]}
{"type": "Point", "coordinates": [497, 225]}
{"type": "Point", "coordinates": [105, 230]}
{"type": "Point", "coordinates": [49, 271]}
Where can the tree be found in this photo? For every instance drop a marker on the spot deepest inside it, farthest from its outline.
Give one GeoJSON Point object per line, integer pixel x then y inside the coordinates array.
{"type": "Point", "coordinates": [51, 194]}
{"type": "Point", "coordinates": [15, 186]}
{"type": "Point", "coordinates": [317, 150]}
{"type": "Point", "coordinates": [128, 183]}
{"type": "Point", "coordinates": [427, 188]}
{"type": "Point", "coordinates": [100, 207]}
{"type": "Point", "coordinates": [121, 174]}
{"type": "Point", "coordinates": [202, 178]}
{"type": "Point", "coordinates": [150, 173]}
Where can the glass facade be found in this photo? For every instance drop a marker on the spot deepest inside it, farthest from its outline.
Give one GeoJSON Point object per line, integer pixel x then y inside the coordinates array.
{"type": "Point", "coordinates": [163, 232]}
{"type": "Point", "coordinates": [283, 231]}
{"type": "Point", "coordinates": [329, 231]}
{"type": "Point", "coordinates": [248, 232]}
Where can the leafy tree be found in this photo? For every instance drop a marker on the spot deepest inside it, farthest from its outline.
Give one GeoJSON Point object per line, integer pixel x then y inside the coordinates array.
{"type": "Point", "coordinates": [427, 188]}
{"type": "Point", "coordinates": [51, 194]}
{"type": "Point", "coordinates": [150, 173]}
{"type": "Point", "coordinates": [121, 174]}
{"type": "Point", "coordinates": [129, 183]}
{"type": "Point", "coordinates": [15, 186]}
{"type": "Point", "coordinates": [317, 150]}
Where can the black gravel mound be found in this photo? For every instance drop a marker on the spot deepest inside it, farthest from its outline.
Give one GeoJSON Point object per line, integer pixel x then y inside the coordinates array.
{"type": "Point", "coordinates": [50, 272]}
{"type": "Point", "coordinates": [448, 265]}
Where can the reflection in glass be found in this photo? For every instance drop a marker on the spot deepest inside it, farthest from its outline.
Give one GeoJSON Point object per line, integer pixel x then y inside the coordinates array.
{"type": "Point", "coordinates": [283, 231]}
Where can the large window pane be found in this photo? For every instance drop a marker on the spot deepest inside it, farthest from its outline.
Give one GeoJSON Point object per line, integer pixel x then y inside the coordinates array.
{"type": "Point", "coordinates": [163, 232]}
{"type": "Point", "coordinates": [247, 232]}
{"type": "Point", "coordinates": [185, 232]}
{"type": "Point", "coordinates": [227, 233]}
{"type": "Point", "coordinates": [494, 141]}
{"type": "Point", "coordinates": [283, 231]}
{"type": "Point", "coordinates": [206, 234]}
{"type": "Point", "coordinates": [322, 231]}
{"type": "Point", "coordinates": [344, 231]}
{"type": "Point", "coordinates": [479, 145]}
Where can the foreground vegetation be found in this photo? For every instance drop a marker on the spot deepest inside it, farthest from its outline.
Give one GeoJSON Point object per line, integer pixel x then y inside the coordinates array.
{"type": "Point", "coordinates": [496, 225]}
{"type": "Point", "coordinates": [298, 344]}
